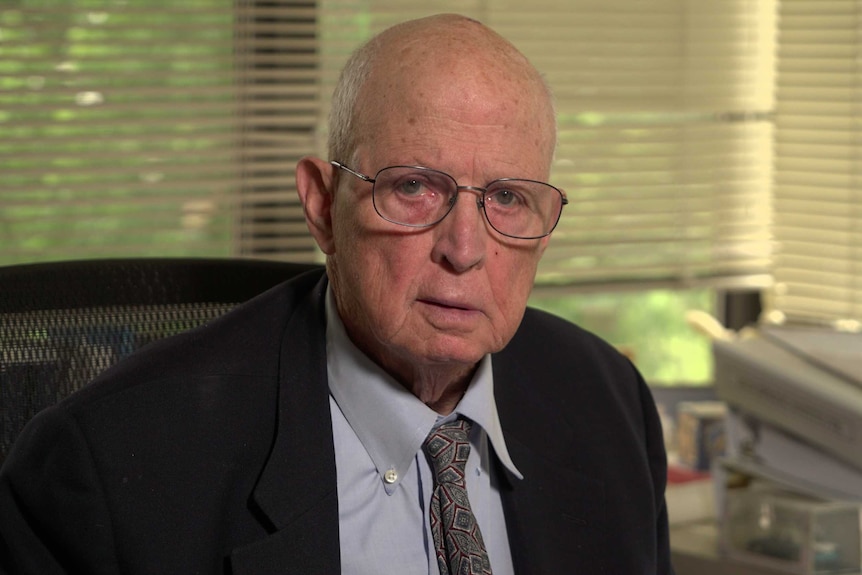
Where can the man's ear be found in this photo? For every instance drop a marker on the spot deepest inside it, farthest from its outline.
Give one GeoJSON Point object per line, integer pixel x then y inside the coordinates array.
{"type": "Point", "coordinates": [315, 188]}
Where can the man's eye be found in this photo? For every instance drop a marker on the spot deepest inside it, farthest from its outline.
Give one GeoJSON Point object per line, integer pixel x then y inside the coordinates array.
{"type": "Point", "coordinates": [506, 198]}
{"type": "Point", "coordinates": [411, 187]}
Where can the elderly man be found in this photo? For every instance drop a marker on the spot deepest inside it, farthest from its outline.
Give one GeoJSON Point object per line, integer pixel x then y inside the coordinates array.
{"type": "Point", "coordinates": [402, 412]}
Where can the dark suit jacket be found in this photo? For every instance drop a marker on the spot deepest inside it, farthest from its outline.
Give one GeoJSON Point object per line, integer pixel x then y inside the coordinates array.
{"type": "Point", "coordinates": [212, 452]}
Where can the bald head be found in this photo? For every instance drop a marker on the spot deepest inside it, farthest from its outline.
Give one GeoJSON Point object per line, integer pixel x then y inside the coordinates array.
{"type": "Point", "coordinates": [446, 61]}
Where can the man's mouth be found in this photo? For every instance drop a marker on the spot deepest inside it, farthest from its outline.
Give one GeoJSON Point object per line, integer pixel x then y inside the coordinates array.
{"type": "Point", "coordinates": [447, 304]}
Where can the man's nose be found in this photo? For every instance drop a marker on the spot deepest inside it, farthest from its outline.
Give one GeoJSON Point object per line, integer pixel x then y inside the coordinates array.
{"type": "Point", "coordinates": [464, 232]}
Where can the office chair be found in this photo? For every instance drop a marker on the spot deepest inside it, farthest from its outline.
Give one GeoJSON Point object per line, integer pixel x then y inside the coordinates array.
{"type": "Point", "coordinates": [62, 323]}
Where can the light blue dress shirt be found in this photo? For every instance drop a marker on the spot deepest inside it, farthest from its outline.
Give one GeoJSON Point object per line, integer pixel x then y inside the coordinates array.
{"type": "Point", "coordinates": [384, 479]}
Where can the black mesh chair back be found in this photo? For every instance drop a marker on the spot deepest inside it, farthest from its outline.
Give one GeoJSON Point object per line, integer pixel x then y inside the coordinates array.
{"type": "Point", "coordinates": [63, 323]}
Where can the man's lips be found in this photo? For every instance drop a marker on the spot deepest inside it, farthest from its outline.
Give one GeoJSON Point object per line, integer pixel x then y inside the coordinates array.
{"type": "Point", "coordinates": [448, 304]}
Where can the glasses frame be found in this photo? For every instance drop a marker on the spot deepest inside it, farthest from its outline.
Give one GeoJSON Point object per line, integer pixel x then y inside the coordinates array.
{"type": "Point", "coordinates": [563, 200]}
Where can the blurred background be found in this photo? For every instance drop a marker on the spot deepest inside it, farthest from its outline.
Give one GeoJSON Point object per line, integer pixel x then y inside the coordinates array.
{"type": "Point", "coordinates": [711, 150]}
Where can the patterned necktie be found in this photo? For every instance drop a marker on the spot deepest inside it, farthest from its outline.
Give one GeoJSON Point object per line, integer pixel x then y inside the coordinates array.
{"type": "Point", "coordinates": [460, 549]}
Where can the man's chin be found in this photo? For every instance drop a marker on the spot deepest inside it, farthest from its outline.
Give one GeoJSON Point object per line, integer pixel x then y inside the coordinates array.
{"type": "Point", "coordinates": [453, 351]}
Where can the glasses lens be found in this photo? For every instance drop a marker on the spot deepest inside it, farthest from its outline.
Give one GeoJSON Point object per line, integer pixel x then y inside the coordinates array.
{"type": "Point", "coordinates": [413, 196]}
{"type": "Point", "coordinates": [523, 208]}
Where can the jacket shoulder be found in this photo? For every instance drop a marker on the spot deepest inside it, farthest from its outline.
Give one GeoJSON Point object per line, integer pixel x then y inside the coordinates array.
{"type": "Point", "coordinates": [544, 335]}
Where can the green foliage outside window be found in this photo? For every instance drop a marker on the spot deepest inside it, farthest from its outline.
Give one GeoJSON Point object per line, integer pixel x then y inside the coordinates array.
{"type": "Point", "coordinates": [648, 326]}
{"type": "Point", "coordinates": [112, 113]}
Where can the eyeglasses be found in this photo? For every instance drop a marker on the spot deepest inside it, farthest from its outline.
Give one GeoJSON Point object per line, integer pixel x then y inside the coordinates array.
{"type": "Point", "coordinates": [421, 197]}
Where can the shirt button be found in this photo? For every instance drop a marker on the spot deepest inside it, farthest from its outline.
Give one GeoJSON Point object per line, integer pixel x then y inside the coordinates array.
{"type": "Point", "coordinates": [391, 476]}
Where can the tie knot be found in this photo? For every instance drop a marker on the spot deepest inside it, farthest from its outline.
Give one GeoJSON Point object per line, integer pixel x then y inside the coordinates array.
{"type": "Point", "coordinates": [448, 448]}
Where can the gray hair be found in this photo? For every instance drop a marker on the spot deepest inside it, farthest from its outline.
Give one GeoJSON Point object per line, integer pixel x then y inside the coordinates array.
{"type": "Point", "coordinates": [342, 116]}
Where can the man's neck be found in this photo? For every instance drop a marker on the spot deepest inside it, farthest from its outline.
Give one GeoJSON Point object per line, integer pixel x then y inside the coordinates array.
{"type": "Point", "coordinates": [439, 386]}
{"type": "Point", "coordinates": [442, 396]}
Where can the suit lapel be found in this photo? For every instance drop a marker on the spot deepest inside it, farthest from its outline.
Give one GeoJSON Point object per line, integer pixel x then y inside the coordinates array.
{"type": "Point", "coordinates": [557, 501]}
{"type": "Point", "coordinates": [297, 491]}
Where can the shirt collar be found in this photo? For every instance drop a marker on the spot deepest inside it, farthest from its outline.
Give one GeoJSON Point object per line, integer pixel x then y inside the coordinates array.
{"type": "Point", "coordinates": [391, 422]}
{"type": "Point", "coordinates": [479, 405]}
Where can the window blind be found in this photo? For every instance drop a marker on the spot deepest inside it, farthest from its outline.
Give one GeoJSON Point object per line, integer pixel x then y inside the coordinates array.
{"type": "Point", "coordinates": [818, 163]}
{"type": "Point", "coordinates": [172, 128]}
{"type": "Point", "coordinates": [277, 66]}
{"type": "Point", "coordinates": [152, 127]}
{"type": "Point", "coordinates": [664, 129]}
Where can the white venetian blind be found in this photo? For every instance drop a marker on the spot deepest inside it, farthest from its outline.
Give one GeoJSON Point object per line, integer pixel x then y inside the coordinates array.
{"type": "Point", "coordinates": [665, 134]}
{"type": "Point", "coordinates": [277, 64]}
{"type": "Point", "coordinates": [153, 127]}
{"type": "Point", "coordinates": [818, 162]}
{"type": "Point", "coordinates": [172, 128]}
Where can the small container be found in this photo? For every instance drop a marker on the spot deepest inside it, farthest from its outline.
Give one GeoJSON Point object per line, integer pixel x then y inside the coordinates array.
{"type": "Point", "coordinates": [769, 527]}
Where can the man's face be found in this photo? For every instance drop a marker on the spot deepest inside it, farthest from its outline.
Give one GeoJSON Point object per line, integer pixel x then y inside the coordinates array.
{"type": "Point", "coordinates": [448, 294]}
